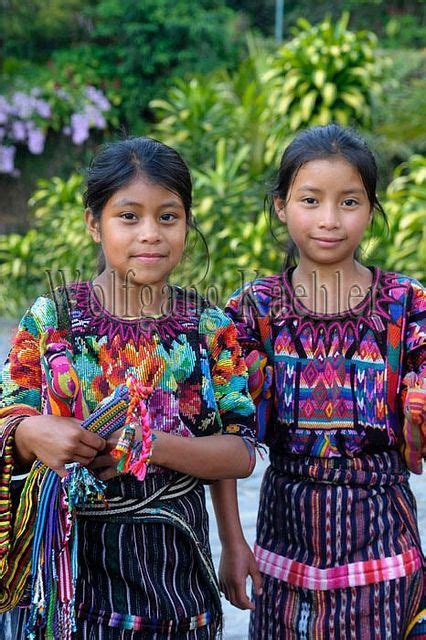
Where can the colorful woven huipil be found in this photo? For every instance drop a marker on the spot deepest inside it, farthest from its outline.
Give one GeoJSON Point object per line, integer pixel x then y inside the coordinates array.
{"type": "Point", "coordinates": [152, 573]}
{"type": "Point", "coordinates": [340, 402]}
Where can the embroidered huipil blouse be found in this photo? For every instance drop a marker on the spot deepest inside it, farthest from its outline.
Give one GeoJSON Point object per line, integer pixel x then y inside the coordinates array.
{"type": "Point", "coordinates": [335, 385]}
{"type": "Point", "coordinates": [190, 357]}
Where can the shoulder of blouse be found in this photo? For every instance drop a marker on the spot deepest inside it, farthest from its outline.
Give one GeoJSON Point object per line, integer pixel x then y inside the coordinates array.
{"type": "Point", "coordinates": [259, 293]}
{"type": "Point", "coordinates": [397, 287]}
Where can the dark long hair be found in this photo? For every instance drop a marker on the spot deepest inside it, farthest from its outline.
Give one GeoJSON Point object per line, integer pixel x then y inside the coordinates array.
{"type": "Point", "coordinates": [119, 163]}
{"type": "Point", "coordinates": [320, 143]}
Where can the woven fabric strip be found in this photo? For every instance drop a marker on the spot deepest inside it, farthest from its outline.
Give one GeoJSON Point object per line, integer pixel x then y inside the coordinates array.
{"type": "Point", "coordinates": [355, 574]}
{"type": "Point", "coordinates": [139, 623]}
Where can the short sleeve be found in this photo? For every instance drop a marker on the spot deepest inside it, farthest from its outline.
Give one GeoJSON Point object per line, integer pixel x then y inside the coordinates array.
{"type": "Point", "coordinates": [253, 333]}
{"type": "Point", "coordinates": [228, 373]}
{"type": "Point", "coordinates": [413, 389]}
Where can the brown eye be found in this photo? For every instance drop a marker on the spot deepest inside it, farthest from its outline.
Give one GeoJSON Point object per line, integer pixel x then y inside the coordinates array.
{"type": "Point", "coordinates": [168, 217]}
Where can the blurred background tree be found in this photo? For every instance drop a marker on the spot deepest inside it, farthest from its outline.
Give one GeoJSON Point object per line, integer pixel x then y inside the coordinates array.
{"type": "Point", "coordinates": [208, 78]}
{"type": "Point", "coordinates": [398, 23]}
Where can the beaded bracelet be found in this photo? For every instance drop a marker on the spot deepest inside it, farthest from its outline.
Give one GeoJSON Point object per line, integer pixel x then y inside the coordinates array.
{"type": "Point", "coordinates": [134, 457]}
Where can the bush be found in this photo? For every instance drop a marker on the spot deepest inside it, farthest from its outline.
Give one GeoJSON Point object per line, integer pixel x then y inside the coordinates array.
{"type": "Point", "coordinates": [405, 205]}
{"type": "Point", "coordinates": [57, 242]}
{"type": "Point", "coordinates": [398, 127]}
{"type": "Point", "coordinates": [138, 46]}
{"type": "Point", "coordinates": [327, 73]}
{"type": "Point", "coordinates": [27, 113]}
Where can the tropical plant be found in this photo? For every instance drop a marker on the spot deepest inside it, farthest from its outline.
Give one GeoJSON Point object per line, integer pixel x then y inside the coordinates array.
{"type": "Point", "coordinates": [229, 212]}
{"type": "Point", "coordinates": [327, 73]}
{"type": "Point", "coordinates": [191, 115]}
{"type": "Point", "coordinates": [236, 106]}
{"type": "Point", "coordinates": [405, 205]}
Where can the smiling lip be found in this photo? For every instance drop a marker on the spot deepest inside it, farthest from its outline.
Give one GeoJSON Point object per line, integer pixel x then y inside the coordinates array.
{"type": "Point", "coordinates": [149, 257]}
{"type": "Point", "coordinates": [329, 241]}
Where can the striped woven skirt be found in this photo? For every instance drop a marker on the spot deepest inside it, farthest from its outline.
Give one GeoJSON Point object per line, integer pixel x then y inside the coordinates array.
{"type": "Point", "coordinates": [145, 565]}
{"type": "Point", "coordinates": [145, 568]}
{"type": "Point", "coordinates": [339, 549]}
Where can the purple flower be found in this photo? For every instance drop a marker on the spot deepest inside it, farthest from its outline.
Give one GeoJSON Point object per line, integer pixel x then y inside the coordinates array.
{"type": "Point", "coordinates": [36, 139]}
{"type": "Point", "coordinates": [19, 130]}
{"type": "Point", "coordinates": [22, 104]}
{"type": "Point", "coordinates": [95, 117]}
{"type": "Point", "coordinates": [43, 109]}
{"type": "Point", "coordinates": [98, 98]}
{"type": "Point", "coordinates": [7, 157]}
{"type": "Point", "coordinates": [80, 124]}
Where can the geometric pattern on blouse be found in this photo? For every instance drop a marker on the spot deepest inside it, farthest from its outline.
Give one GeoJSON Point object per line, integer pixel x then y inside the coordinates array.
{"type": "Point", "coordinates": [335, 381]}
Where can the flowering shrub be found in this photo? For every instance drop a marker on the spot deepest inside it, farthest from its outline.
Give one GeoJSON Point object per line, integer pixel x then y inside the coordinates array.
{"type": "Point", "coordinates": [26, 117]}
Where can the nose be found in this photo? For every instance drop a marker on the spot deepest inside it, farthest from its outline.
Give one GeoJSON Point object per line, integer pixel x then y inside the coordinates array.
{"type": "Point", "coordinates": [329, 217]}
{"type": "Point", "coordinates": [149, 231]}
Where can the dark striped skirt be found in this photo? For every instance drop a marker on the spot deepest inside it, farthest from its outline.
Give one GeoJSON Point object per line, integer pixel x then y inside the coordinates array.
{"type": "Point", "coordinates": [339, 548]}
{"type": "Point", "coordinates": [145, 567]}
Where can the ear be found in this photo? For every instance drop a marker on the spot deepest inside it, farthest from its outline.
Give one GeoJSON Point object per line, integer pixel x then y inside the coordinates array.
{"type": "Point", "coordinates": [92, 225]}
{"type": "Point", "coordinates": [279, 205]}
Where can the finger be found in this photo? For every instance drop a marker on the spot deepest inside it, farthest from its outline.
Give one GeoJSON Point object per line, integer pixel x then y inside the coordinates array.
{"type": "Point", "coordinates": [92, 440]}
{"type": "Point", "coordinates": [103, 460]}
{"type": "Point", "coordinates": [111, 443]}
{"type": "Point", "coordinates": [76, 421]}
{"type": "Point", "coordinates": [84, 451]}
{"type": "Point", "coordinates": [83, 460]}
{"type": "Point", "coordinates": [257, 579]}
{"type": "Point", "coordinates": [240, 599]}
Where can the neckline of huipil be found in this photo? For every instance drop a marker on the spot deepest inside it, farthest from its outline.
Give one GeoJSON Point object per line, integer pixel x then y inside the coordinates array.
{"type": "Point", "coordinates": [184, 310]}
{"type": "Point", "coordinates": [366, 306]}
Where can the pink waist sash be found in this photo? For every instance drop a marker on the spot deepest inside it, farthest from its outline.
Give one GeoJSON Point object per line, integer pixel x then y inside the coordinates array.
{"type": "Point", "coordinates": [355, 574]}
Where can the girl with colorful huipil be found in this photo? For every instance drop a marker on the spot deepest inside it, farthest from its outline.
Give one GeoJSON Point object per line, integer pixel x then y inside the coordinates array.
{"type": "Point", "coordinates": [121, 395]}
{"type": "Point", "coordinates": [336, 354]}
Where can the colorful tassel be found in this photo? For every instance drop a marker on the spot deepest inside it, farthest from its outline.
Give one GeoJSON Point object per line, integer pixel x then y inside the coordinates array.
{"type": "Point", "coordinates": [134, 456]}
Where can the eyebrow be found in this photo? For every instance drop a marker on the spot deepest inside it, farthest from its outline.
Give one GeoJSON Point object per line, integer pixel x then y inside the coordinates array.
{"type": "Point", "coordinates": [125, 202]}
{"type": "Point", "coordinates": [307, 187]}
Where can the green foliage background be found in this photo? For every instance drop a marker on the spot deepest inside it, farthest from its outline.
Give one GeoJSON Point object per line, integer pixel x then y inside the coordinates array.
{"type": "Point", "coordinates": [230, 112]}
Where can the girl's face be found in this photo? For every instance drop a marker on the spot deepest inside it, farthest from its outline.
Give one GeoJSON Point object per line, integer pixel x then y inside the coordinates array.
{"type": "Point", "coordinates": [326, 212]}
{"type": "Point", "coordinates": [142, 231]}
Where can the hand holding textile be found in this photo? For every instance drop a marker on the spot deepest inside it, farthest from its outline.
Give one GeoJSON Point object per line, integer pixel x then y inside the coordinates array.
{"type": "Point", "coordinates": [56, 440]}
